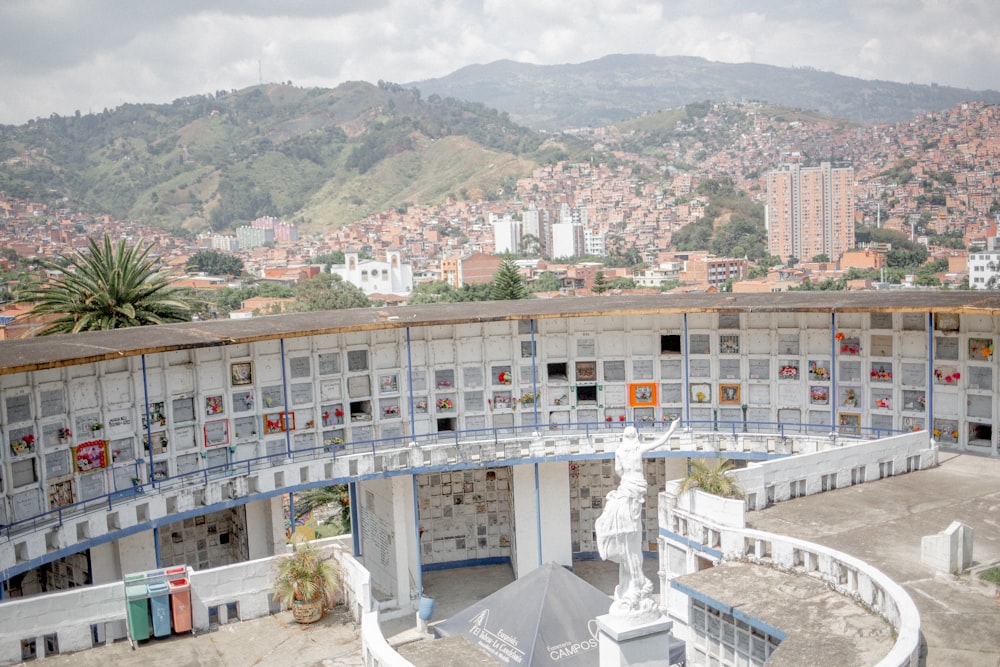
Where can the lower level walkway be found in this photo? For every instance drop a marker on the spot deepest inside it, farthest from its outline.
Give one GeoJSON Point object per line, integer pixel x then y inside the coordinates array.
{"type": "Point", "coordinates": [277, 641]}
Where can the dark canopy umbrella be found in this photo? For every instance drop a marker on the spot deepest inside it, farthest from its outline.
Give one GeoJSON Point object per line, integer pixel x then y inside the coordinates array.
{"type": "Point", "coordinates": [547, 617]}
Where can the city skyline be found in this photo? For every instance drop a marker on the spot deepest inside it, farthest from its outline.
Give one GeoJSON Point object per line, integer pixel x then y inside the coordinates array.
{"type": "Point", "coordinates": [156, 53]}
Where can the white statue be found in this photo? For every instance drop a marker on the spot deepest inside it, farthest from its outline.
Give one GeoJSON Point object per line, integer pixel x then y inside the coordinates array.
{"type": "Point", "coordinates": [619, 528]}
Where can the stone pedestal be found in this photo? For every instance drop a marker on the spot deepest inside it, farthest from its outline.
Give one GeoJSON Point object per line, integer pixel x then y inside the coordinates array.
{"type": "Point", "coordinates": [628, 643]}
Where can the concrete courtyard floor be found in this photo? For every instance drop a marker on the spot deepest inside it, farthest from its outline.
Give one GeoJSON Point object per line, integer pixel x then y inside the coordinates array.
{"type": "Point", "coordinates": [883, 522]}
{"type": "Point", "coordinates": [277, 641]}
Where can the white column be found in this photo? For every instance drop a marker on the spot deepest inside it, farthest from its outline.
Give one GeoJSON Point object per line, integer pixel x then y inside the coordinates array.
{"type": "Point", "coordinates": [265, 528]}
{"type": "Point", "coordinates": [544, 504]}
{"type": "Point", "coordinates": [404, 533]}
{"type": "Point", "coordinates": [137, 553]}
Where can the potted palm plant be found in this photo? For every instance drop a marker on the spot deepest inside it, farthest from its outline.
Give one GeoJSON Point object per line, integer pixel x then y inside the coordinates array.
{"type": "Point", "coordinates": [306, 582]}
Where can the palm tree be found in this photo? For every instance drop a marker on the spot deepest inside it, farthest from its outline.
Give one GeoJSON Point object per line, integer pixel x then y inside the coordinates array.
{"type": "Point", "coordinates": [108, 287]}
{"type": "Point", "coordinates": [712, 479]}
{"type": "Point", "coordinates": [321, 496]}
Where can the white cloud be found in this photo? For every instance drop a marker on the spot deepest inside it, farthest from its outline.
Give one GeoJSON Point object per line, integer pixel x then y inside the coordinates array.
{"type": "Point", "coordinates": [62, 55]}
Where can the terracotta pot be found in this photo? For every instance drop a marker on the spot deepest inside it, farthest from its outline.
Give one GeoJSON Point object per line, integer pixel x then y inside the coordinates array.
{"type": "Point", "coordinates": [307, 612]}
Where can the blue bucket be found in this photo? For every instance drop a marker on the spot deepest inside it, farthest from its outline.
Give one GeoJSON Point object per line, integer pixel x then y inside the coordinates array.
{"type": "Point", "coordinates": [426, 608]}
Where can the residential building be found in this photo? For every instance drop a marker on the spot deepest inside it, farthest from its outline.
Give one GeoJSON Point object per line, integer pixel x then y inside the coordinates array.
{"type": "Point", "coordinates": [810, 211]}
{"type": "Point", "coordinates": [984, 269]}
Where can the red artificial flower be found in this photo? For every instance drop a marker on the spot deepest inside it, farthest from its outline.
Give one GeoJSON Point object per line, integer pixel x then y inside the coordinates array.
{"type": "Point", "coordinates": [839, 336]}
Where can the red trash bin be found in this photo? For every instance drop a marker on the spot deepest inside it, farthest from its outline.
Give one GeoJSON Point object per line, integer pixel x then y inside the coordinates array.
{"type": "Point", "coordinates": [180, 604]}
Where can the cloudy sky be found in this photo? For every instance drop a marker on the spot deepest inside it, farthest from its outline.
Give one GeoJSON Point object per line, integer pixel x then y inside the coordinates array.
{"type": "Point", "coordinates": [59, 56]}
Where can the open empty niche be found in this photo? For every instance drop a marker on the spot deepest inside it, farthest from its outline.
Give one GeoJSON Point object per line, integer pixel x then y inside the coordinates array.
{"type": "Point", "coordinates": [557, 372]}
{"type": "Point", "coordinates": [670, 344]}
{"type": "Point", "coordinates": [586, 395]}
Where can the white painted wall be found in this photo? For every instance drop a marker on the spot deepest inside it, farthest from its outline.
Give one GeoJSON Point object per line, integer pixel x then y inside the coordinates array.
{"type": "Point", "coordinates": [377, 525]}
{"type": "Point", "coordinates": [137, 552]}
{"type": "Point", "coordinates": [265, 527]}
{"type": "Point", "coordinates": [552, 500]}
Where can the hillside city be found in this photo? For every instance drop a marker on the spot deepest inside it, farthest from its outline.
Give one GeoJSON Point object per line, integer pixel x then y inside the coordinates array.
{"type": "Point", "coordinates": [930, 178]}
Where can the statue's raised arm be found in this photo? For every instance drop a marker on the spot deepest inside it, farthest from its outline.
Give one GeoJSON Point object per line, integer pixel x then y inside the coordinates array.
{"type": "Point", "coordinates": [663, 439]}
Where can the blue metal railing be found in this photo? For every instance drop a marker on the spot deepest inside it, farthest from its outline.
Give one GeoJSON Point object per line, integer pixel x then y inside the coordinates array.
{"type": "Point", "coordinates": [464, 438]}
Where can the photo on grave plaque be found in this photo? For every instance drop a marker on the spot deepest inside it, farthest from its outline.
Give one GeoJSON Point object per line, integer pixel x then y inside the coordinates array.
{"type": "Point", "coordinates": [729, 394]}
{"type": "Point", "coordinates": [241, 373]}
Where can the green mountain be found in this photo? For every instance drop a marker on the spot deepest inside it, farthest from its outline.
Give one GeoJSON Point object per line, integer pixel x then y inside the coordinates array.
{"type": "Point", "coordinates": [316, 157]}
{"type": "Point", "coordinates": [617, 87]}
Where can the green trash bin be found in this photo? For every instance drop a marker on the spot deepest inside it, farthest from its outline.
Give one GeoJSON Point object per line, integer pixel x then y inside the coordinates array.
{"type": "Point", "coordinates": [137, 597]}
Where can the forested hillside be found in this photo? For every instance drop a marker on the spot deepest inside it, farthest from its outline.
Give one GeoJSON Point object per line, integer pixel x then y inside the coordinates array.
{"type": "Point", "coordinates": [313, 156]}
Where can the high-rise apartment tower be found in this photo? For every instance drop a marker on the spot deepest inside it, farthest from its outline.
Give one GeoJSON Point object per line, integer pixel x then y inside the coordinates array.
{"type": "Point", "coordinates": [810, 211]}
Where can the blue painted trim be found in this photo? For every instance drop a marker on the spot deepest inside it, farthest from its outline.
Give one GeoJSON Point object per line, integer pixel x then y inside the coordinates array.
{"type": "Point", "coordinates": [534, 374]}
{"type": "Point", "coordinates": [930, 374]}
{"type": "Point", "coordinates": [595, 555]}
{"type": "Point", "coordinates": [688, 542]}
{"type": "Point", "coordinates": [753, 622]}
{"type": "Point", "coordinates": [472, 562]}
{"type": "Point", "coordinates": [687, 371]}
{"type": "Point", "coordinates": [833, 369]}
{"type": "Point", "coordinates": [291, 512]}
{"type": "Point", "coordinates": [416, 528]}
{"type": "Point", "coordinates": [156, 547]}
{"type": "Point", "coordinates": [409, 381]}
{"type": "Point", "coordinates": [284, 406]}
{"type": "Point", "coordinates": [149, 421]}
{"type": "Point", "coordinates": [352, 494]}
{"type": "Point", "coordinates": [538, 515]}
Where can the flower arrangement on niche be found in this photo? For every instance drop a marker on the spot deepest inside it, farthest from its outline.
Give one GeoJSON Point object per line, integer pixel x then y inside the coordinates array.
{"type": "Point", "coordinates": [788, 372]}
{"type": "Point", "coordinates": [422, 406]}
{"type": "Point", "coordinates": [390, 410]}
{"type": "Point", "coordinates": [883, 403]}
{"type": "Point", "coordinates": [881, 375]}
{"type": "Point", "coordinates": [445, 404]}
{"type": "Point", "coordinates": [921, 403]}
{"type": "Point", "coordinates": [443, 384]}
{"type": "Point", "coordinates": [24, 445]}
{"type": "Point", "coordinates": [700, 396]}
{"type": "Point", "coordinates": [818, 371]}
{"type": "Point", "coordinates": [980, 348]}
{"type": "Point", "coordinates": [213, 405]}
{"type": "Point", "coordinates": [946, 379]}
{"type": "Point", "coordinates": [608, 418]}
{"type": "Point", "coordinates": [847, 345]}
{"type": "Point", "coordinates": [560, 400]}
{"type": "Point", "coordinates": [65, 433]}
{"type": "Point", "coordinates": [503, 377]}
{"type": "Point", "coordinates": [528, 399]}
{"type": "Point", "coordinates": [621, 418]}
{"type": "Point", "coordinates": [248, 401]}
{"type": "Point", "coordinates": [96, 426]}
{"type": "Point", "coordinates": [819, 395]}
